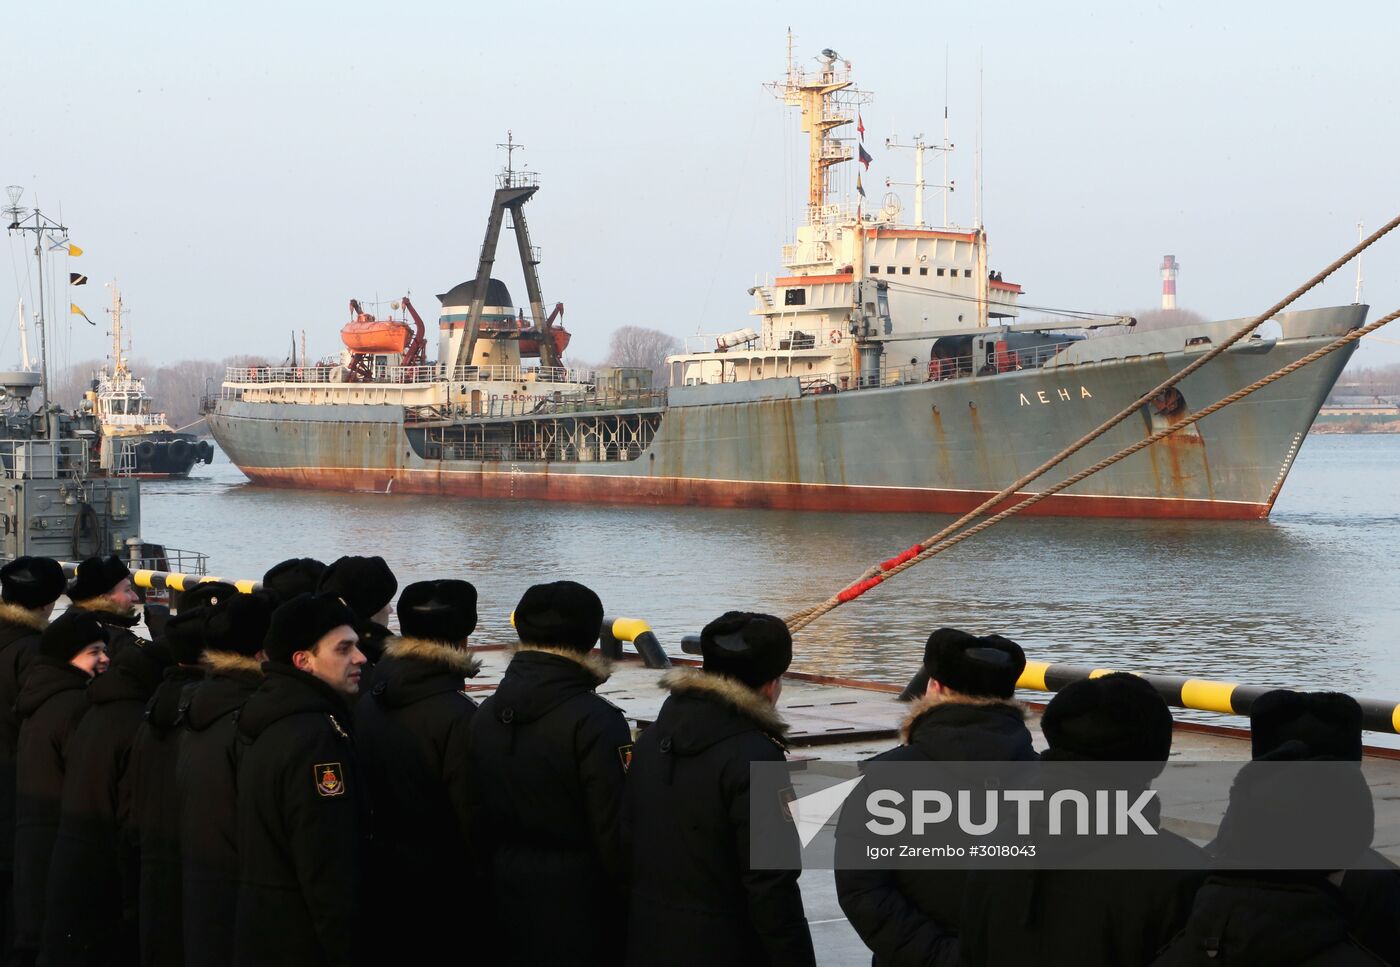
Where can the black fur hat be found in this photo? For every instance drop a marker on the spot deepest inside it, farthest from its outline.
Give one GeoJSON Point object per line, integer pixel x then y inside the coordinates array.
{"type": "Point", "coordinates": [97, 576]}
{"type": "Point", "coordinates": [1327, 723]}
{"type": "Point", "coordinates": [32, 582]}
{"type": "Point", "coordinates": [239, 624]}
{"type": "Point", "coordinates": [438, 610]}
{"type": "Point", "coordinates": [303, 621]}
{"type": "Point", "coordinates": [297, 575]}
{"type": "Point", "coordinates": [205, 594]}
{"type": "Point", "coordinates": [70, 633]}
{"type": "Point", "coordinates": [982, 667]}
{"type": "Point", "coordinates": [1115, 718]}
{"type": "Point", "coordinates": [365, 584]}
{"type": "Point", "coordinates": [564, 614]}
{"type": "Point", "coordinates": [184, 635]}
{"type": "Point", "coordinates": [753, 648]}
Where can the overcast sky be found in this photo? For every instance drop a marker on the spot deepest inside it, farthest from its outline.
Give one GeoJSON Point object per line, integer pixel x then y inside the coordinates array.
{"type": "Point", "coordinates": [244, 169]}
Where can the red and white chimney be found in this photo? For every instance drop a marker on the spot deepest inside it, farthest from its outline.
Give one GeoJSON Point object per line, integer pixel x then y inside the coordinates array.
{"type": "Point", "coordinates": [1169, 267]}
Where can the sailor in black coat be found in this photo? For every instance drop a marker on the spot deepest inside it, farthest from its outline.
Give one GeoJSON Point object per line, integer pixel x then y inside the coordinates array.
{"type": "Point", "coordinates": [206, 775]}
{"type": "Point", "coordinates": [52, 700]}
{"type": "Point", "coordinates": [154, 804]}
{"type": "Point", "coordinates": [29, 587]}
{"type": "Point", "coordinates": [367, 586]}
{"type": "Point", "coordinates": [1328, 725]}
{"type": "Point", "coordinates": [1119, 915]}
{"type": "Point", "coordinates": [695, 897]}
{"type": "Point", "coordinates": [1247, 917]}
{"type": "Point", "coordinates": [548, 764]}
{"type": "Point", "coordinates": [95, 870]}
{"type": "Point", "coordinates": [303, 819]}
{"type": "Point", "coordinates": [103, 588]}
{"type": "Point", "coordinates": [411, 732]}
{"type": "Point", "coordinates": [911, 916]}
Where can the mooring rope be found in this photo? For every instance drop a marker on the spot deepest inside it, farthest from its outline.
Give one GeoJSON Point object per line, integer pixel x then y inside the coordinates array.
{"type": "Point", "coordinates": [940, 541]}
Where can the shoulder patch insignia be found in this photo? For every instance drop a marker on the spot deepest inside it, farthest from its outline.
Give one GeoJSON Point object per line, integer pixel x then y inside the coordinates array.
{"type": "Point", "coordinates": [624, 752]}
{"type": "Point", "coordinates": [330, 778]}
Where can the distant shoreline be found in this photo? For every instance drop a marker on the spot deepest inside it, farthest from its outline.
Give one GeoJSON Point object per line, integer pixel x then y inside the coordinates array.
{"type": "Point", "coordinates": [1357, 426]}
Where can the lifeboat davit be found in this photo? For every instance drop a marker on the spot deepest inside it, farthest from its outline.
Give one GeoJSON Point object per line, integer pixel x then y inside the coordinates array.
{"type": "Point", "coordinates": [370, 335]}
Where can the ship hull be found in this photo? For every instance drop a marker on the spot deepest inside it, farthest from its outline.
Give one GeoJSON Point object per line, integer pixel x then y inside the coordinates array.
{"type": "Point", "coordinates": [940, 447]}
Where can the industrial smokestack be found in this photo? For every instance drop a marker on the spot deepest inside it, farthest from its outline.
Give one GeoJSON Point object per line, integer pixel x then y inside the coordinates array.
{"type": "Point", "coordinates": [1169, 267]}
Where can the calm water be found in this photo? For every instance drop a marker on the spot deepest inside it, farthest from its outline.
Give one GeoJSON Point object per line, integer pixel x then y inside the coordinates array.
{"type": "Point", "coordinates": [1310, 598]}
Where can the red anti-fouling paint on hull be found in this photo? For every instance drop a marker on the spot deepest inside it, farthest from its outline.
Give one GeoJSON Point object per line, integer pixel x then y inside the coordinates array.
{"type": "Point", "coordinates": [680, 491]}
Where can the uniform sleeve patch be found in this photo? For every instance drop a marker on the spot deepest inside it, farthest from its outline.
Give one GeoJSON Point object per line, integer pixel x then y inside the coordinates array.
{"type": "Point", "coordinates": [624, 752]}
{"type": "Point", "coordinates": [330, 778]}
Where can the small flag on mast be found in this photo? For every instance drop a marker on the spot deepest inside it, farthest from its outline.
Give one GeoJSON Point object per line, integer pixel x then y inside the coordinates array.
{"type": "Point", "coordinates": [860, 125]}
{"type": "Point", "coordinates": [865, 157]}
{"type": "Point", "coordinates": [73, 250]}
{"type": "Point", "coordinates": [860, 189]}
{"type": "Point", "coordinates": [77, 278]}
{"type": "Point", "coordinates": [75, 311]}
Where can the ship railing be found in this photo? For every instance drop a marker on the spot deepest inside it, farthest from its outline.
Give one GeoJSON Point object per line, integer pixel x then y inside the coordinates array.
{"type": "Point", "coordinates": [503, 405]}
{"type": "Point", "coordinates": [536, 452]}
{"type": "Point", "coordinates": [43, 459]}
{"type": "Point", "coordinates": [134, 420]}
{"type": "Point", "coordinates": [941, 369]}
{"type": "Point", "coordinates": [324, 374]}
{"type": "Point", "coordinates": [521, 374]}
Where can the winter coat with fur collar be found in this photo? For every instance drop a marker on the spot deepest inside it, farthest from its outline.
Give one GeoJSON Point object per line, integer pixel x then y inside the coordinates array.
{"type": "Point", "coordinates": [20, 630]}
{"type": "Point", "coordinates": [547, 760]}
{"type": "Point", "coordinates": [95, 871]}
{"type": "Point", "coordinates": [155, 808]}
{"type": "Point", "coordinates": [52, 701]}
{"type": "Point", "coordinates": [911, 917]}
{"type": "Point", "coordinates": [411, 732]}
{"type": "Point", "coordinates": [303, 826]}
{"type": "Point", "coordinates": [695, 898]}
{"type": "Point", "coordinates": [206, 795]}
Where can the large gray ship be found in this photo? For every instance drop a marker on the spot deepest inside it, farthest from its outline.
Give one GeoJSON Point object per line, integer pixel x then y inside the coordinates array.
{"type": "Point", "coordinates": [889, 371]}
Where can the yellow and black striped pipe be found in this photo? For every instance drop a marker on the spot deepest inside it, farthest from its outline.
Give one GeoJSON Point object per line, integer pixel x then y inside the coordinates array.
{"type": "Point", "coordinates": [617, 630]}
{"type": "Point", "coordinates": [1201, 694]}
{"type": "Point", "coordinates": [171, 580]}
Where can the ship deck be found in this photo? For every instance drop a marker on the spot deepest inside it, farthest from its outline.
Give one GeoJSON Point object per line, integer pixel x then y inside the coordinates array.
{"type": "Point", "coordinates": [849, 721]}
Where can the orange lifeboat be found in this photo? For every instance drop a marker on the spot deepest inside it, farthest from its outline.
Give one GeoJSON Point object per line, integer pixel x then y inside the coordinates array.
{"type": "Point", "coordinates": [561, 340]}
{"type": "Point", "coordinates": [370, 335]}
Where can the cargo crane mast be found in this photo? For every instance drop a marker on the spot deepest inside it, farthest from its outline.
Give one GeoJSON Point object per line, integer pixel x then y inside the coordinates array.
{"type": "Point", "coordinates": [417, 346]}
{"type": "Point", "coordinates": [513, 190]}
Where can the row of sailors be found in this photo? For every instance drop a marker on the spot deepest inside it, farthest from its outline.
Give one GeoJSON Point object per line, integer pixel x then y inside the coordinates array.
{"type": "Point", "coordinates": [249, 788]}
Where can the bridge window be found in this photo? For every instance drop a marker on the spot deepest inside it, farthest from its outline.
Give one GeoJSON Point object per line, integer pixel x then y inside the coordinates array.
{"type": "Point", "coordinates": [923, 270]}
{"type": "Point", "coordinates": [874, 270]}
{"type": "Point", "coordinates": [904, 270]}
{"type": "Point", "coordinates": [795, 297]}
{"type": "Point", "coordinates": [940, 273]}
{"type": "Point", "coordinates": [889, 270]}
{"type": "Point", "coordinates": [967, 273]}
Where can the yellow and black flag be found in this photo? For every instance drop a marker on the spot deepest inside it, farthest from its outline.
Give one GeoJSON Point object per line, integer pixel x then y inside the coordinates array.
{"type": "Point", "coordinates": [77, 278]}
{"type": "Point", "coordinates": [75, 311]}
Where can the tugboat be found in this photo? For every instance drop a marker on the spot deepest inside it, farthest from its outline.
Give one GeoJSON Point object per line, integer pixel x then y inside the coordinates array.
{"type": "Point", "coordinates": [134, 441]}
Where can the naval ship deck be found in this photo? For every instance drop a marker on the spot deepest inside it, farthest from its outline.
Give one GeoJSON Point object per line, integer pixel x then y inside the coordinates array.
{"type": "Point", "coordinates": [850, 721]}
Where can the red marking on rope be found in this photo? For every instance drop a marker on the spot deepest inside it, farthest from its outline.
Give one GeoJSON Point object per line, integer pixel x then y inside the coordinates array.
{"type": "Point", "coordinates": [856, 590]}
{"type": "Point", "coordinates": [899, 559]}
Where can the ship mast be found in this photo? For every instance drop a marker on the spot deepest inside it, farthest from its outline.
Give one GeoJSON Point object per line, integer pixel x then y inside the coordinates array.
{"type": "Point", "coordinates": [118, 357]}
{"type": "Point", "coordinates": [45, 229]}
{"type": "Point", "coordinates": [825, 99]}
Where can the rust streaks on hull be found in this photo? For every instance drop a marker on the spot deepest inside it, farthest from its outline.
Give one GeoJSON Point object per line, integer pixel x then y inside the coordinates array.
{"type": "Point", "coordinates": [580, 488]}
